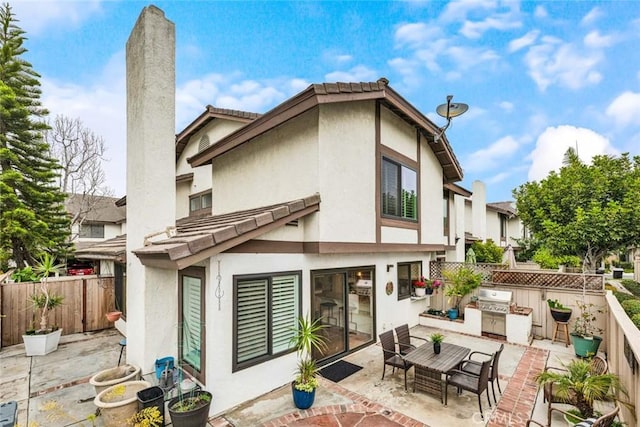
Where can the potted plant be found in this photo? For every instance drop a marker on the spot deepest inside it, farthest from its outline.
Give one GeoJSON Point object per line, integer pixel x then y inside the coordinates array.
{"type": "Point", "coordinates": [579, 386]}
{"type": "Point", "coordinates": [119, 402]}
{"type": "Point", "coordinates": [559, 312]}
{"type": "Point", "coordinates": [585, 342]}
{"type": "Point", "coordinates": [190, 409]}
{"type": "Point", "coordinates": [419, 287]}
{"type": "Point", "coordinates": [146, 417]}
{"type": "Point", "coordinates": [436, 339]}
{"type": "Point", "coordinates": [432, 285]}
{"type": "Point", "coordinates": [460, 283]}
{"type": "Point", "coordinates": [306, 337]}
{"type": "Point", "coordinates": [38, 342]}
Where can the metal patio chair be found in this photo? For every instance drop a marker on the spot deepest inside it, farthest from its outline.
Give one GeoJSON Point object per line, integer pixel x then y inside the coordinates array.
{"type": "Point", "coordinates": [391, 357]}
{"type": "Point", "coordinates": [477, 384]}
{"type": "Point", "coordinates": [473, 367]}
{"type": "Point", "coordinates": [404, 339]}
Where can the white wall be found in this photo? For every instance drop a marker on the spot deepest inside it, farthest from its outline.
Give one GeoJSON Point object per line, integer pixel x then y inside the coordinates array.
{"type": "Point", "coordinates": [229, 389]}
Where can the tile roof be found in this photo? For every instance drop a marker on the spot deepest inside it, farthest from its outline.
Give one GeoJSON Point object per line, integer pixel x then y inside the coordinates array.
{"type": "Point", "coordinates": [200, 238]}
{"type": "Point", "coordinates": [113, 249]}
{"type": "Point", "coordinates": [210, 113]}
{"type": "Point", "coordinates": [323, 93]}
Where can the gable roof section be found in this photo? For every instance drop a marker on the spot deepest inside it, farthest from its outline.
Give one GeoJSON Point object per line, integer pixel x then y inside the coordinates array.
{"type": "Point", "coordinates": [200, 238]}
{"type": "Point", "coordinates": [111, 249]}
{"type": "Point", "coordinates": [324, 93]}
{"type": "Point", "coordinates": [210, 113]}
{"type": "Point", "coordinates": [97, 209]}
{"type": "Point", "coordinates": [503, 207]}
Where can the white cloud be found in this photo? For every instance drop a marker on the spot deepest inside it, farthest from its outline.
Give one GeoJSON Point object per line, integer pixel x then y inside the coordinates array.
{"type": "Point", "coordinates": [553, 143]}
{"type": "Point", "coordinates": [359, 73]}
{"type": "Point", "coordinates": [499, 177]}
{"type": "Point", "coordinates": [593, 15]}
{"type": "Point", "coordinates": [506, 106]}
{"type": "Point", "coordinates": [36, 16]}
{"type": "Point", "coordinates": [500, 22]}
{"type": "Point", "coordinates": [597, 41]}
{"type": "Point", "coordinates": [459, 10]}
{"type": "Point", "coordinates": [333, 56]}
{"type": "Point", "coordinates": [524, 41]}
{"type": "Point", "coordinates": [416, 35]}
{"type": "Point", "coordinates": [490, 157]}
{"type": "Point", "coordinates": [563, 64]}
{"type": "Point", "coordinates": [540, 12]}
{"type": "Point", "coordinates": [625, 109]}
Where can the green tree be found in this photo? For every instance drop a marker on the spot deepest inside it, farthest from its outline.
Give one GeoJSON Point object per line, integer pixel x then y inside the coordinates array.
{"type": "Point", "coordinates": [32, 215]}
{"type": "Point", "coordinates": [487, 251]}
{"type": "Point", "coordinates": [584, 210]}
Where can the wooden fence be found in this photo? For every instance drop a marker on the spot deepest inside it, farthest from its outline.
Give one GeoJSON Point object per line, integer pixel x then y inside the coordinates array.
{"type": "Point", "coordinates": [86, 301]}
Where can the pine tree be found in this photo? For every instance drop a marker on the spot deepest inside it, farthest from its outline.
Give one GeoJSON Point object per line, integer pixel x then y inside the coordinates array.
{"type": "Point", "coordinates": [32, 214]}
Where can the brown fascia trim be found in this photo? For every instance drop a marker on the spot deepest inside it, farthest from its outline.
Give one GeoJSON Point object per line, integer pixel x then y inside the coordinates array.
{"type": "Point", "coordinates": [355, 248]}
{"type": "Point", "coordinates": [121, 201]}
{"type": "Point", "coordinates": [455, 188]}
{"type": "Point", "coordinates": [185, 177]}
{"type": "Point", "coordinates": [309, 99]}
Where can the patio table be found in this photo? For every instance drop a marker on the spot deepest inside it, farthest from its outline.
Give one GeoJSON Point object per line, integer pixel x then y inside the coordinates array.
{"type": "Point", "coordinates": [429, 367]}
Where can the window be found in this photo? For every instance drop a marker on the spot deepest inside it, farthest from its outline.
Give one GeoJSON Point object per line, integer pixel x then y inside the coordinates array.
{"type": "Point", "coordinates": [200, 203]}
{"type": "Point", "coordinates": [92, 231]}
{"type": "Point", "coordinates": [192, 321]}
{"type": "Point", "coordinates": [399, 191]}
{"type": "Point", "coordinates": [266, 308]}
{"type": "Point", "coordinates": [407, 272]}
{"type": "Point", "coordinates": [503, 227]}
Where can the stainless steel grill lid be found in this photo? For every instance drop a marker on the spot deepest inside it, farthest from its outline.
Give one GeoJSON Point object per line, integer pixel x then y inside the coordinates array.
{"type": "Point", "coordinates": [494, 300]}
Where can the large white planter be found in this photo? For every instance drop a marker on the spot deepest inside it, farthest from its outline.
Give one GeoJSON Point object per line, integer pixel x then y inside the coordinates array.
{"type": "Point", "coordinates": [41, 344]}
{"type": "Point", "coordinates": [112, 376]}
{"type": "Point", "coordinates": [119, 402]}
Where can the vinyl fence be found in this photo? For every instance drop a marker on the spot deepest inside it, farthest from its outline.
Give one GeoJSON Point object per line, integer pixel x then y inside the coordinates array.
{"type": "Point", "coordinates": [86, 301]}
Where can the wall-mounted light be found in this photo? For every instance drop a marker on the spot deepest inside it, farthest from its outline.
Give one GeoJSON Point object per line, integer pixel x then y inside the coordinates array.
{"type": "Point", "coordinates": [389, 267]}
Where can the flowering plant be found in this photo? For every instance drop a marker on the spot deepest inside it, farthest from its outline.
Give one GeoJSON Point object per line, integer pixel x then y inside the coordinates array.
{"type": "Point", "coordinates": [420, 283]}
{"type": "Point", "coordinates": [433, 284]}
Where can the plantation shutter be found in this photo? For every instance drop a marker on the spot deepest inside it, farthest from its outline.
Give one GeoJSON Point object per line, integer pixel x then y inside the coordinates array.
{"type": "Point", "coordinates": [284, 311]}
{"type": "Point", "coordinates": [252, 315]}
{"type": "Point", "coordinates": [191, 321]}
{"type": "Point", "coordinates": [390, 188]}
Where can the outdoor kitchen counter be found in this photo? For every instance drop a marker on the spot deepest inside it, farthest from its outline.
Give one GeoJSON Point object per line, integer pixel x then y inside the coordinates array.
{"type": "Point", "coordinates": [523, 311]}
{"type": "Point", "coordinates": [519, 324]}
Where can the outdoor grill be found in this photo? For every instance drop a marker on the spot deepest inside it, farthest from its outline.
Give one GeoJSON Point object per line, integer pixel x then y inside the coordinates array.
{"type": "Point", "coordinates": [494, 301]}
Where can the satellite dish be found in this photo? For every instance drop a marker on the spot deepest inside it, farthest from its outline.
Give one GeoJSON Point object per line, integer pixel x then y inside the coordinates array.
{"type": "Point", "coordinates": [449, 111]}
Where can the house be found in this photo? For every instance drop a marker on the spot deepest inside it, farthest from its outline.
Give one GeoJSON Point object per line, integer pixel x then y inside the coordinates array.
{"type": "Point", "coordinates": [328, 205]}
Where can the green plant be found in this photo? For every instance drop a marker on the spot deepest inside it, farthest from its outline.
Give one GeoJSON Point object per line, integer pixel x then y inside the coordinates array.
{"type": "Point", "coordinates": [146, 417]}
{"type": "Point", "coordinates": [632, 286]}
{"type": "Point", "coordinates": [636, 320]}
{"type": "Point", "coordinates": [580, 387]}
{"type": "Point", "coordinates": [461, 283]}
{"type": "Point", "coordinates": [585, 325]}
{"type": "Point", "coordinates": [487, 251]}
{"type": "Point", "coordinates": [436, 338]}
{"type": "Point", "coordinates": [631, 307]}
{"type": "Point", "coordinates": [44, 300]}
{"type": "Point", "coordinates": [24, 275]}
{"type": "Point", "coordinates": [557, 305]}
{"type": "Point", "coordinates": [192, 401]}
{"type": "Point", "coordinates": [306, 338]}
{"type": "Point", "coordinates": [623, 296]}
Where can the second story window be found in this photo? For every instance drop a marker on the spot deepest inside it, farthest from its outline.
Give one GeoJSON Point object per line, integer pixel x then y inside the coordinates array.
{"type": "Point", "coordinates": [503, 227]}
{"type": "Point", "coordinates": [399, 191]}
{"type": "Point", "coordinates": [92, 231]}
{"type": "Point", "coordinates": [200, 203]}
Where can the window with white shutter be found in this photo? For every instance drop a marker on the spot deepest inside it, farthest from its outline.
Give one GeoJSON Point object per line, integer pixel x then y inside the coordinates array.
{"type": "Point", "coordinates": [192, 321]}
{"type": "Point", "coordinates": [266, 310]}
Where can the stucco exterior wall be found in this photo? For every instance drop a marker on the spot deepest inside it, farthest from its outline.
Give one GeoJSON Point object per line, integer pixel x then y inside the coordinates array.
{"type": "Point", "coordinates": [346, 153]}
{"type": "Point", "coordinates": [431, 207]}
{"type": "Point", "coordinates": [397, 134]}
{"type": "Point", "coordinates": [221, 381]}
{"type": "Point", "coordinates": [493, 226]}
{"type": "Point", "coordinates": [278, 166]}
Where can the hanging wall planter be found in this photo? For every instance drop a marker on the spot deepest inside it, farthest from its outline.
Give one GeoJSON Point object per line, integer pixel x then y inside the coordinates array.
{"type": "Point", "coordinates": [113, 316]}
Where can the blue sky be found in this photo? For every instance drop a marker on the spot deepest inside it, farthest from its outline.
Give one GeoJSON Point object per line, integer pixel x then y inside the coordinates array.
{"type": "Point", "coordinates": [538, 76]}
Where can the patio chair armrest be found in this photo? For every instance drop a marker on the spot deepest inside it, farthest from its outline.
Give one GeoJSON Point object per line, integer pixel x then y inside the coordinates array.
{"type": "Point", "coordinates": [402, 345]}
{"type": "Point", "coordinates": [481, 353]}
{"type": "Point", "coordinates": [459, 371]}
{"type": "Point", "coordinates": [531, 422]}
{"type": "Point", "coordinates": [473, 362]}
{"type": "Point", "coordinates": [419, 338]}
{"type": "Point", "coordinates": [553, 408]}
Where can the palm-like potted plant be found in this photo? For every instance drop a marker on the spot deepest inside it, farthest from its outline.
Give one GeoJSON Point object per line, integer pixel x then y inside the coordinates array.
{"type": "Point", "coordinates": [579, 386]}
{"type": "Point", "coordinates": [460, 283]}
{"type": "Point", "coordinates": [44, 340]}
{"type": "Point", "coordinates": [306, 338]}
{"type": "Point", "coordinates": [436, 338]}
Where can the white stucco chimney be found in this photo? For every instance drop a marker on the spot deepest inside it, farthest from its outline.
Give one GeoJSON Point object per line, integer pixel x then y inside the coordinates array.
{"type": "Point", "coordinates": [151, 187]}
{"type": "Point", "coordinates": [479, 209]}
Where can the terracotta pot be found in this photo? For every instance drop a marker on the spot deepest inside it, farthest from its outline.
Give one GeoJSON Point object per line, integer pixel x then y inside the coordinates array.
{"type": "Point", "coordinates": [112, 316]}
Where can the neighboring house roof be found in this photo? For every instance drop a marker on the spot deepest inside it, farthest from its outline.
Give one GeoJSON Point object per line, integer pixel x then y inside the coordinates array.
{"type": "Point", "coordinates": [506, 208]}
{"type": "Point", "coordinates": [200, 238]}
{"type": "Point", "coordinates": [455, 188]}
{"type": "Point", "coordinates": [323, 93]}
{"type": "Point", "coordinates": [185, 177]}
{"type": "Point", "coordinates": [210, 113]}
{"type": "Point", "coordinates": [96, 209]}
{"type": "Point", "coordinates": [112, 249]}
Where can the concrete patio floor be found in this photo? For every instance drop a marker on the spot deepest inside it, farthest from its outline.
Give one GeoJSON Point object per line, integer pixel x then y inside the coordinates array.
{"type": "Point", "coordinates": [54, 390]}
